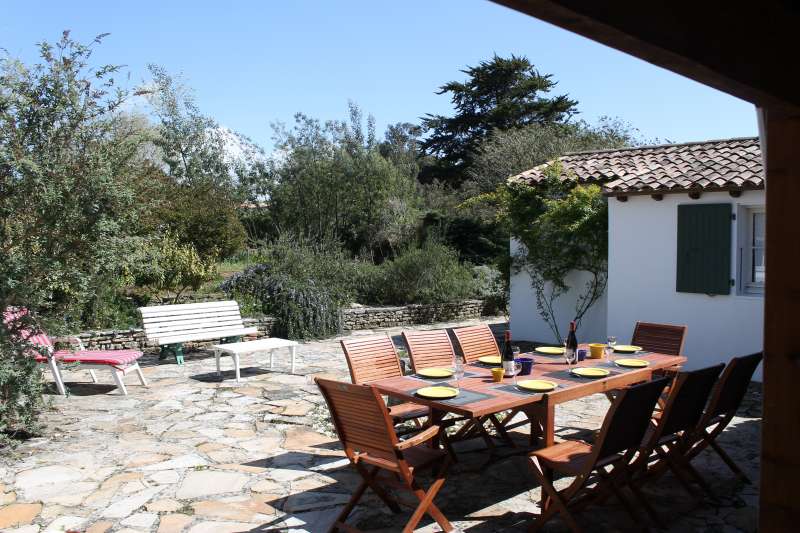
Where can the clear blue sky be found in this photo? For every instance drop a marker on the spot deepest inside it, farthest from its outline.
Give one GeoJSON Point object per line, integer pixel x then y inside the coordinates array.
{"type": "Point", "coordinates": [255, 62]}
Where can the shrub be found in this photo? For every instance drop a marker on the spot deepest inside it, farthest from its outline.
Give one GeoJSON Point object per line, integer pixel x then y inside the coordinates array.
{"type": "Point", "coordinates": [21, 384]}
{"type": "Point", "coordinates": [429, 274]}
{"type": "Point", "coordinates": [492, 288]}
{"type": "Point", "coordinates": [301, 285]}
{"type": "Point", "coordinates": [162, 265]}
{"type": "Point", "coordinates": [302, 308]}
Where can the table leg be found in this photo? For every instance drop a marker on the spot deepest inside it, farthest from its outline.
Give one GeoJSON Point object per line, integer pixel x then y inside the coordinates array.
{"type": "Point", "coordinates": [436, 419]}
{"type": "Point", "coordinates": [294, 354]}
{"type": "Point", "coordinates": [549, 439]}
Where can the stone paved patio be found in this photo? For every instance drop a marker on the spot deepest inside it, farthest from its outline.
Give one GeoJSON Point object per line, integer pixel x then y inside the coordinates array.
{"type": "Point", "coordinates": [193, 453]}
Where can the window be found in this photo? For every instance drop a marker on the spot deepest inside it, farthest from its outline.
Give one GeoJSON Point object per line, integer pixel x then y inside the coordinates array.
{"type": "Point", "coordinates": [704, 248]}
{"type": "Point", "coordinates": [751, 250]}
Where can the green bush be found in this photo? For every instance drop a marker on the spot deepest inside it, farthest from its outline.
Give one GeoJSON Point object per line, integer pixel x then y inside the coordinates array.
{"type": "Point", "coordinates": [21, 383]}
{"type": "Point", "coordinates": [162, 265]}
{"type": "Point", "coordinates": [491, 287]}
{"type": "Point", "coordinates": [303, 286]}
{"type": "Point", "coordinates": [429, 274]}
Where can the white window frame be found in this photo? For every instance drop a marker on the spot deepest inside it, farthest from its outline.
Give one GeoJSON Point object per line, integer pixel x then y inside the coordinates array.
{"type": "Point", "coordinates": [745, 249]}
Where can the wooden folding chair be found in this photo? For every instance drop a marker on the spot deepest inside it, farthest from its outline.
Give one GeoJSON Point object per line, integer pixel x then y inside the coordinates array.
{"type": "Point", "coordinates": [433, 348]}
{"type": "Point", "coordinates": [374, 358]}
{"type": "Point", "coordinates": [670, 428]}
{"type": "Point", "coordinates": [604, 463]}
{"type": "Point", "coordinates": [429, 349]}
{"type": "Point", "coordinates": [366, 432]}
{"type": "Point", "coordinates": [660, 338]}
{"type": "Point", "coordinates": [725, 401]}
{"type": "Point", "coordinates": [479, 341]}
{"type": "Point", "coordinates": [476, 342]}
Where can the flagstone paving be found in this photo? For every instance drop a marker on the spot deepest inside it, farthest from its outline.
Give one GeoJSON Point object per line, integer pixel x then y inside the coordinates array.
{"type": "Point", "coordinates": [196, 453]}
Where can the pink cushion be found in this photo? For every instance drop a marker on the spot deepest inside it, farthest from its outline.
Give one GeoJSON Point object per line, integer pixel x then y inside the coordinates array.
{"type": "Point", "coordinates": [99, 357]}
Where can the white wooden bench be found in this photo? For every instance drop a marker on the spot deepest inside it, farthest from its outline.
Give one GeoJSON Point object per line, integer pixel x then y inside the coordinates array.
{"type": "Point", "coordinates": [171, 325]}
{"type": "Point", "coordinates": [237, 349]}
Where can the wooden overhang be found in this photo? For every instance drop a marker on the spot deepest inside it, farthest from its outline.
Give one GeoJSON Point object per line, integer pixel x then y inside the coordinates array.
{"type": "Point", "coordinates": [749, 50]}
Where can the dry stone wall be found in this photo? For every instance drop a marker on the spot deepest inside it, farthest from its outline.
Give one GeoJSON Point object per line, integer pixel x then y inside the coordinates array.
{"type": "Point", "coordinates": [352, 319]}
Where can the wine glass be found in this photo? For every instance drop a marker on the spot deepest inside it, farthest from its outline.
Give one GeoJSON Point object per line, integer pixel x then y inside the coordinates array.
{"type": "Point", "coordinates": [458, 367]}
{"type": "Point", "coordinates": [517, 369]}
{"type": "Point", "coordinates": [612, 341]}
{"type": "Point", "coordinates": [567, 357]}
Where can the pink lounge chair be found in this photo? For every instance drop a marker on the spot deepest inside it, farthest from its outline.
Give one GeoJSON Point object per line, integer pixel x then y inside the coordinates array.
{"type": "Point", "coordinates": [120, 362]}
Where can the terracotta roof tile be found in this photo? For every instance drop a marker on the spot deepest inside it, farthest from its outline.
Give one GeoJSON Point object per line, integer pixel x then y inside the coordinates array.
{"type": "Point", "coordinates": [724, 164]}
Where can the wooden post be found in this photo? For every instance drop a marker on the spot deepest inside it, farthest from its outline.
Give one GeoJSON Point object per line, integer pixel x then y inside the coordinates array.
{"type": "Point", "coordinates": [780, 454]}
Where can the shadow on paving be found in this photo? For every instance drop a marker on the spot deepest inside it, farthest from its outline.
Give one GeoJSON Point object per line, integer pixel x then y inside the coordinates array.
{"type": "Point", "coordinates": [503, 497]}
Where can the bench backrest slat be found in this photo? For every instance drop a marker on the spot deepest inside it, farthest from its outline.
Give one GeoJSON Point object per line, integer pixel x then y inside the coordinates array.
{"type": "Point", "coordinates": [185, 322]}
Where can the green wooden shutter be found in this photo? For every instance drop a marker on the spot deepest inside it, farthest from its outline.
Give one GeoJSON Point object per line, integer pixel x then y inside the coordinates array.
{"type": "Point", "coordinates": [704, 248]}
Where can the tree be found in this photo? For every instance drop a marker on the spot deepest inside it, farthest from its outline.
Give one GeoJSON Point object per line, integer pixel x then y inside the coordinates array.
{"type": "Point", "coordinates": [66, 169]}
{"type": "Point", "coordinates": [499, 94]}
{"type": "Point", "coordinates": [333, 183]}
{"type": "Point", "coordinates": [202, 195]}
{"type": "Point", "coordinates": [505, 153]}
{"type": "Point", "coordinates": [563, 228]}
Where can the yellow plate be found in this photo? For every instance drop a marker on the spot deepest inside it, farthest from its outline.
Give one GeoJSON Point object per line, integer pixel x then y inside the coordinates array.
{"type": "Point", "coordinates": [590, 372]}
{"type": "Point", "coordinates": [490, 359]}
{"type": "Point", "coordinates": [625, 348]}
{"type": "Point", "coordinates": [631, 363]}
{"type": "Point", "coordinates": [437, 393]}
{"type": "Point", "coordinates": [435, 372]}
{"type": "Point", "coordinates": [551, 350]}
{"type": "Point", "coordinates": [536, 385]}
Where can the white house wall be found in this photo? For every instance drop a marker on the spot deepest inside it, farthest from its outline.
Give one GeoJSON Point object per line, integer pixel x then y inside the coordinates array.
{"type": "Point", "coordinates": [642, 275]}
{"type": "Point", "coordinates": [526, 323]}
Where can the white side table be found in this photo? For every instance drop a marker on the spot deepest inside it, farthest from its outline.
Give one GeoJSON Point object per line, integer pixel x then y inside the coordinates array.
{"type": "Point", "coordinates": [237, 349]}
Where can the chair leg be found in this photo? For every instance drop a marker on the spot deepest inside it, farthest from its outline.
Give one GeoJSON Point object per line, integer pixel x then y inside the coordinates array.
{"type": "Point", "coordinates": [349, 507]}
{"type": "Point", "coordinates": [426, 505]}
{"type": "Point", "coordinates": [93, 375]}
{"type": "Point", "coordinates": [728, 461]}
{"type": "Point", "coordinates": [236, 367]}
{"type": "Point", "coordinates": [293, 349]}
{"type": "Point", "coordinates": [140, 374]}
{"type": "Point", "coordinates": [369, 478]}
{"type": "Point", "coordinates": [119, 377]}
{"type": "Point", "coordinates": [56, 371]}
{"type": "Point", "coordinates": [557, 505]}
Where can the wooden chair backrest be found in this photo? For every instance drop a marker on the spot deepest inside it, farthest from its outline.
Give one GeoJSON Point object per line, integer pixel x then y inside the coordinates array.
{"type": "Point", "coordinates": [687, 399]}
{"type": "Point", "coordinates": [628, 418]}
{"type": "Point", "coordinates": [660, 338]}
{"type": "Point", "coordinates": [476, 341]}
{"type": "Point", "coordinates": [732, 386]}
{"type": "Point", "coordinates": [169, 324]}
{"type": "Point", "coordinates": [371, 358]}
{"type": "Point", "coordinates": [361, 419]}
{"type": "Point", "coordinates": [429, 348]}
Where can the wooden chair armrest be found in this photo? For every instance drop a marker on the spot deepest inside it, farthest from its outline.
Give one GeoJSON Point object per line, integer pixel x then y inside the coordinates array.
{"type": "Point", "coordinates": [419, 438]}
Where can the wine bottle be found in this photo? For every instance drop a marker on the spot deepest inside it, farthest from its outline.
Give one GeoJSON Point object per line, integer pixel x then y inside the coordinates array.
{"type": "Point", "coordinates": [571, 348]}
{"type": "Point", "coordinates": [508, 355]}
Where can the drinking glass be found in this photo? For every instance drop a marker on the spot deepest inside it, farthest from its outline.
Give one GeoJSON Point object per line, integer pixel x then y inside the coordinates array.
{"type": "Point", "coordinates": [612, 341]}
{"type": "Point", "coordinates": [517, 370]}
{"type": "Point", "coordinates": [516, 351]}
{"type": "Point", "coordinates": [566, 357]}
{"type": "Point", "coordinates": [458, 368]}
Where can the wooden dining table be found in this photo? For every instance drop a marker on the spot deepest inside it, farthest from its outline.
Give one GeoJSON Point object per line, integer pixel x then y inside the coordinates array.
{"type": "Point", "coordinates": [480, 397]}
